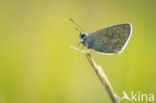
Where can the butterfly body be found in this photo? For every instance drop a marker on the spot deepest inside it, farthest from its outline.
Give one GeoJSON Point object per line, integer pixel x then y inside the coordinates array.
{"type": "Point", "coordinates": [109, 40]}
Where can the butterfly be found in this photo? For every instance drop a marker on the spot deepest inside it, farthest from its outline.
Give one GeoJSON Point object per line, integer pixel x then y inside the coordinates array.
{"type": "Point", "coordinates": [109, 40]}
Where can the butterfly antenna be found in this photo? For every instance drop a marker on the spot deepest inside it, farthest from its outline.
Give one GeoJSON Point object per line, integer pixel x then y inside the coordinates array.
{"type": "Point", "coordinates": [80, 29]}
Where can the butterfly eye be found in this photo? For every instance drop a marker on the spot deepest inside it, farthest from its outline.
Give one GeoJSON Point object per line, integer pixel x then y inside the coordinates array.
{"type": "Point", "coordinates": [82, 35]}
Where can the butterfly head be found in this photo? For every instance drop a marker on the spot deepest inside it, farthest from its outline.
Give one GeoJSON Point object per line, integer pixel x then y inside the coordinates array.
{"type": "Point", "coordinates": [83, 35]}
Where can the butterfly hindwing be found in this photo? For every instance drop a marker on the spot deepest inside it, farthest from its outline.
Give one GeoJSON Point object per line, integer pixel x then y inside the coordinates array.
{"type": "Point", "coordinates": [112, 39]}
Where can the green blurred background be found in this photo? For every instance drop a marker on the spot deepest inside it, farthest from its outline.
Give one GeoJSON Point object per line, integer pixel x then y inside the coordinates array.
{"type": "Point", "coordinates": [37, 65]}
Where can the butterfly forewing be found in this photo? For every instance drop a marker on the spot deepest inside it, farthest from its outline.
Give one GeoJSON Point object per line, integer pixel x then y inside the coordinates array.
{"type": "Point", "coordinates": [114, 37]}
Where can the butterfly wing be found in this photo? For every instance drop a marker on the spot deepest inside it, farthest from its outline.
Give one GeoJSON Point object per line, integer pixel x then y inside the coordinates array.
{"type": "Point", "coordinates": [111, 39]}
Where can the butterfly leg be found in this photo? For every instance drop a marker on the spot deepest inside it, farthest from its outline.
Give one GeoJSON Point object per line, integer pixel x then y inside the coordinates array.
{"type": "Point", "coordinates": [82, 47]}
{"type": "Point", "coordinates": [78, 43]}
{"type": "Point", "coordinates": [81, 42]}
